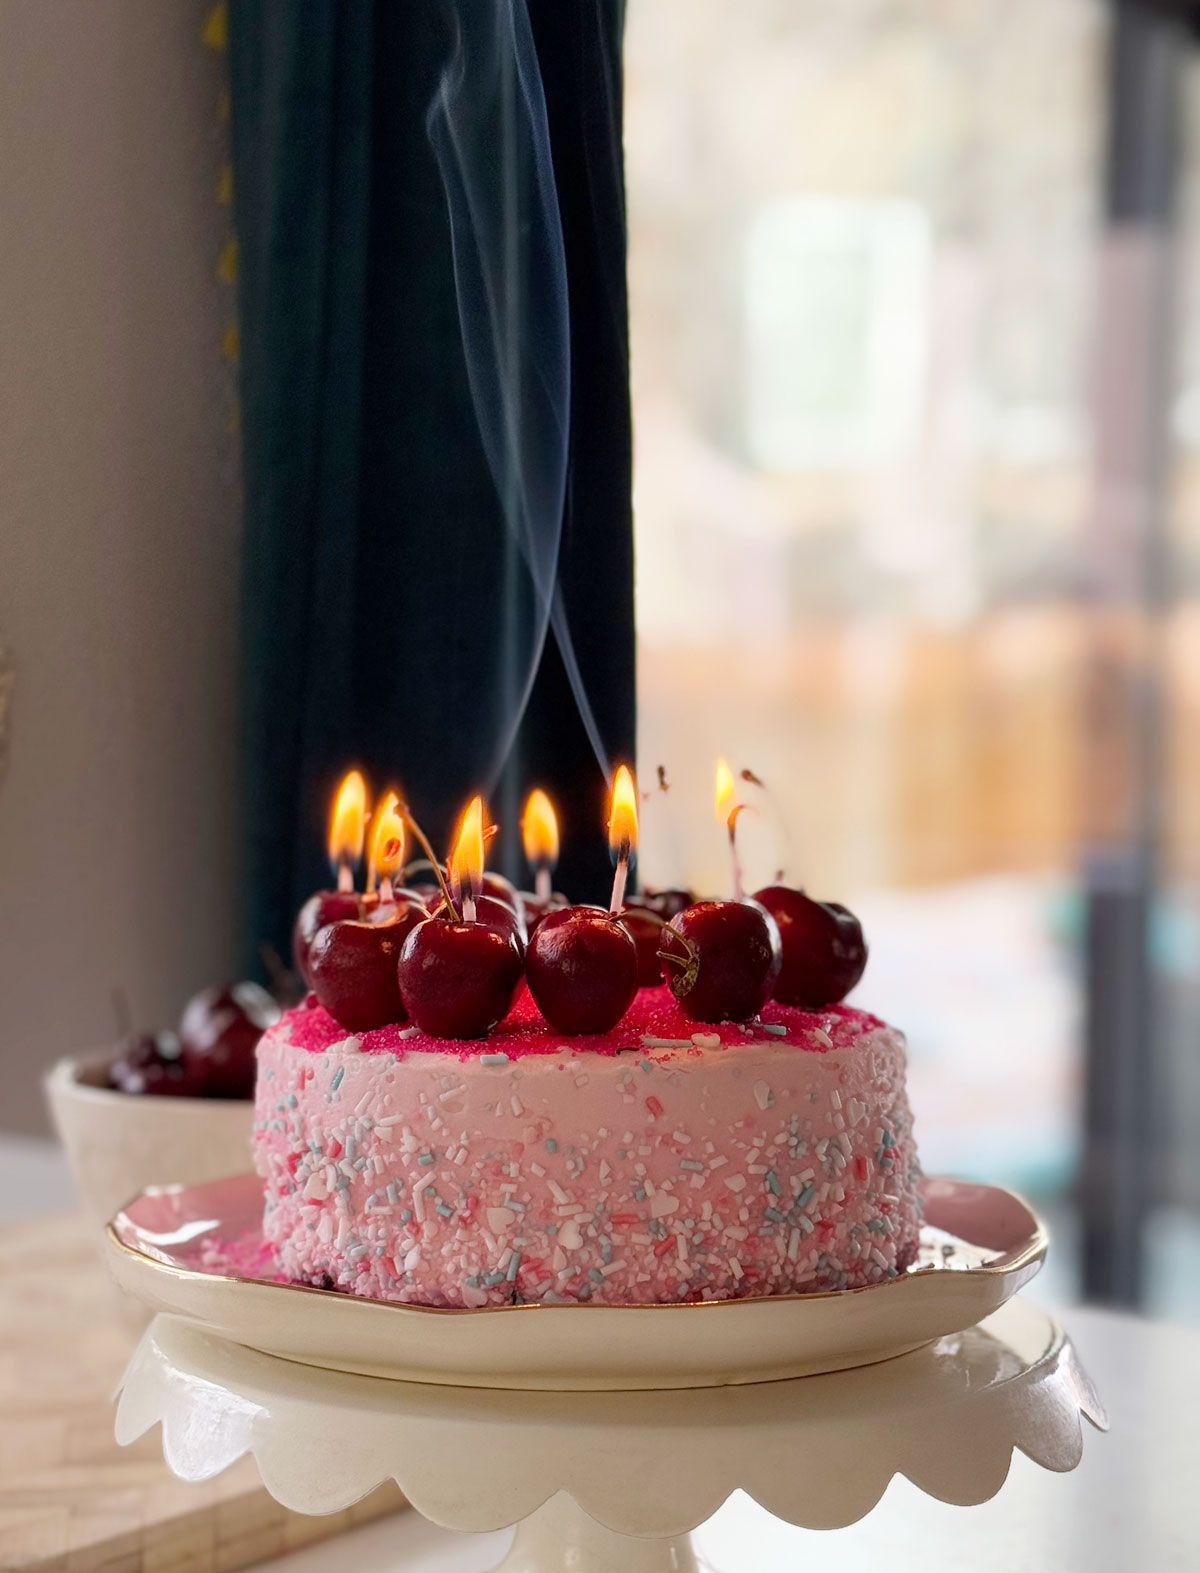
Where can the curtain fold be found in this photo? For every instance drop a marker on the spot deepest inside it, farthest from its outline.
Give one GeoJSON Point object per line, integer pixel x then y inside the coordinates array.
{"type": "Point", "coordinates": [380, 583]}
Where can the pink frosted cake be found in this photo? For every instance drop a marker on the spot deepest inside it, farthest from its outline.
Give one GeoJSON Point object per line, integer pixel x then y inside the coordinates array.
{"type": "Point", "coordinates": [665, 1161]}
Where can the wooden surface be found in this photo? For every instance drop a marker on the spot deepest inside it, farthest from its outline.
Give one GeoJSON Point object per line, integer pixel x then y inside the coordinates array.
{"type": "Point", "coordinates": [71, 1500]}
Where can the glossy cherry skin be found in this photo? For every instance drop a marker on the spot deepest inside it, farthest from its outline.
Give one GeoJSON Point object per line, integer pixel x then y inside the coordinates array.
{"type": "Point", "coordinates": [459, 979]}
{"type": "Point", "coordinates": [582, 969]}
{"type": "Point", "coordinates": [218, 1034]}
{"type": "Point", "coordinates": [327, 906]}
{"type": "Point", "coordinates": [493, 914]}
{"type": "Point", "coordinates": [645, 926]}
{"type": "Point", "coordinates": [666, 903]}
{"type": "Point", "coordinates": [353, 966]}
{"type": "Point", "coordinates": [730, 957]}
{"type": "Point", "coordinates": [824, 953]}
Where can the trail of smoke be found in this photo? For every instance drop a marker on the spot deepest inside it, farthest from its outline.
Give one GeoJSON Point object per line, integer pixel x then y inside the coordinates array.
{"type": "Point", "coordinates": [490, 133]}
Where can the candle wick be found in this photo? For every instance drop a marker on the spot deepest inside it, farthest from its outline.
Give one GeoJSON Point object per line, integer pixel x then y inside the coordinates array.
{"type": "Point", "coordinates": [468, 907]}
{"type": "Point", "coordinates": [542, 887]}
{"type": "Point", "coordinates": [345, 876]}
{"type": "Point", "coordinates": [386, 893]}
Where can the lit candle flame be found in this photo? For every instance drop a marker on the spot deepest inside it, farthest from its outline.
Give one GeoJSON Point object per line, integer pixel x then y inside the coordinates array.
{"type": "Point", "coordinates": [386, 854]}
{"type": "Point", "coordinates": [622, 832]}
{"type": "Point", "coordinates": [623, 815]}
{"type": "Point", "coordinates": [539, 830]}
{"type": "Point", "coordinates": [466, 861]}
{"type": "Point", "coordinates": [348, 828]}
{"type": "Point", "coordinates": [725, 793]}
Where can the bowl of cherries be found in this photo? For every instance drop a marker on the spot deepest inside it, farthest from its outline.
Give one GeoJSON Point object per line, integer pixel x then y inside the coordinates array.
{"type": "Point", "coordinates": [170, 1107]}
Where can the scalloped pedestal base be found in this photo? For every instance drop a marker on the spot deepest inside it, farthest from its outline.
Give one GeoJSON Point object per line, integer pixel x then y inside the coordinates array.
{"type": "Point", "coordinates": [562, 1538]}
{"type": "Point", "coordinates": [614, 1482]}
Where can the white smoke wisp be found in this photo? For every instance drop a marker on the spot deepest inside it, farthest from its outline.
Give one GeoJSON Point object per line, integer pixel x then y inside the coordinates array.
{"type": "Point", "coordinates": [489, 130]}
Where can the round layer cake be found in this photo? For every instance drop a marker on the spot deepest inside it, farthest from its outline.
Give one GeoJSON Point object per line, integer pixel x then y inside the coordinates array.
{"type": "Point", "coordinates": [660, 1163]}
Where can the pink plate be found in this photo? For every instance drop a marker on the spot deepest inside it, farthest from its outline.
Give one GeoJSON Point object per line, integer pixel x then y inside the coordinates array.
{"type": "Point", "coordinates": [198, 1252]}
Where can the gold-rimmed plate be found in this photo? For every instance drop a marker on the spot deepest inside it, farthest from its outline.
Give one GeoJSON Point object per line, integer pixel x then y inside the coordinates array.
{"type": "Point", "coordinates": [173, 1247]}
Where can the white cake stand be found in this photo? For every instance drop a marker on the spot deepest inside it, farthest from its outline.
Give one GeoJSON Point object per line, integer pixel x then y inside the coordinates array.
{"type": "Point", "coordinates": [614, 1482]}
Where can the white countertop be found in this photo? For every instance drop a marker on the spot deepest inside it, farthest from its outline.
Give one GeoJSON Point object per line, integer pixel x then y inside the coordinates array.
{"type": "Point", "coordinates": [1127, 1508]}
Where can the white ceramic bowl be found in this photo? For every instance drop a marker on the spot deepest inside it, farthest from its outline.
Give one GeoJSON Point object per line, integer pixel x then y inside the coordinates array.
{"type": "Point", "coordinates": [118, 1143]}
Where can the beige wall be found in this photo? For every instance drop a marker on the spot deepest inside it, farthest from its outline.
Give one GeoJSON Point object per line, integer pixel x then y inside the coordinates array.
{"type": "Point", "coordinates": [118, 526]}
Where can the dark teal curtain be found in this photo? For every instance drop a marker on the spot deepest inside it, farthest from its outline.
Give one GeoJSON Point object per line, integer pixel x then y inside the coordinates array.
{"type": "Point", "coordinates": [379, 580]}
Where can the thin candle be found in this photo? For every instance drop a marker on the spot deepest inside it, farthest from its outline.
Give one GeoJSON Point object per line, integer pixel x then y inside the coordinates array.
{"type": "Point", "coordinates": [348, 828]}
{"type": "Point", "coordinates": [539, 837]}
{"type": "Point", "coordinates": [727, 809]}
{"type": "Point", "coordinates": [622, 833]}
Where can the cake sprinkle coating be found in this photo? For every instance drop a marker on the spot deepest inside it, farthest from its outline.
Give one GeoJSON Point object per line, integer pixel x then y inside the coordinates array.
{"type": "Point", "coordinates": [657, 1163]}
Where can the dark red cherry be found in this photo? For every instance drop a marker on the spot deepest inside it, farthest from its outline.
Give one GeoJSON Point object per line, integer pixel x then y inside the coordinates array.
{"type": "Point", "coordinates": [152, 1064]}
{"type": "Point", "coordinates": [218, 1034]}
{"type": "Point", "coordinates": [493, 914]}
{"type": "Point", "coordinates": [353, 966]}
{"type": "Point", "coordinates": [327, 906]}
{"type": "Point", "coordinates": [459, 979]}
{"type": "Point", "coordinates": [665, 902]}
{"type": "Point", "coordinates": [646, 928]}
{"type": "Point", "coordinates": [535, 908]}
{"type": "Point", "coordinates": [728, 959]}
{"type": "Point", "coordinates": [582, 969]}
{"type": "Point", "coordinates": [824, 953]}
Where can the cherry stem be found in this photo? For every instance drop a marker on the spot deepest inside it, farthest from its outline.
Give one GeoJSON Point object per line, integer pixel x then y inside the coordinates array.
{"type": "Point", "coordinates": [688, 967]}
{"type": "Point", "coordinates": [739, 889]}
{"type": "Point", "coordinates": [689, 946]}
{"type": "Point", "coordinates": [345, 876]}
{"type": "Point", "coordinates": [622, 874]}
{"type": "Point", "coordinates": [406, 815]}
{"type": "Point", "coordinates": [683, 962]}
{"type": "Point", "coordinates": [415, 867]}
{"type": "Point", "coordinates": [542, 887]}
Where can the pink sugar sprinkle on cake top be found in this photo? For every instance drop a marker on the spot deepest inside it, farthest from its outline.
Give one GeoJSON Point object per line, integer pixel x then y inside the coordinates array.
{"type": "Point", "coordinates": [654, 1020]}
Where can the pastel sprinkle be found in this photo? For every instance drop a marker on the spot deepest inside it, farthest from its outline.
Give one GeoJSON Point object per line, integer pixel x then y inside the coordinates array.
{"type": "Point", "coordinates": [671, 1208]}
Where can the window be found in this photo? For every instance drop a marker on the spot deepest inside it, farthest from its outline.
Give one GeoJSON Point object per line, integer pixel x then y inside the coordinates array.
{"type": "Point", "coordinates": [862, 256]}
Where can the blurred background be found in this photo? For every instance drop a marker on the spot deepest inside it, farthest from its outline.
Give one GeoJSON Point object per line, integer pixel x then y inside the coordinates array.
{"type": "Point", "coordinates": [915, 347]}
{"type": "Point", "coordinates": [917, 500]}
